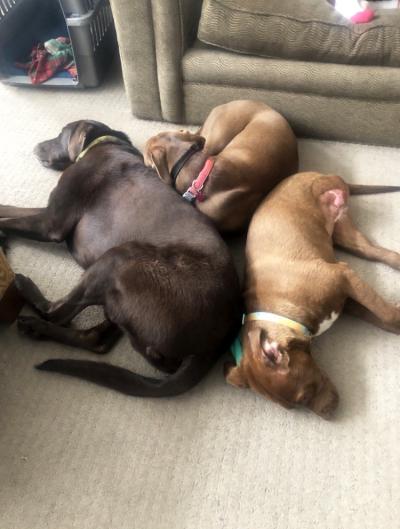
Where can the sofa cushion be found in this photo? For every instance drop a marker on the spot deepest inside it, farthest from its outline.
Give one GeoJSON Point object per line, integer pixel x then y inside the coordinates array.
{"type": "Point", "coordinates": [308, 30]}
{"type": "Point", "coordinates": [321, 100]}
{"type": "Point", "coordinates": [204, 64]}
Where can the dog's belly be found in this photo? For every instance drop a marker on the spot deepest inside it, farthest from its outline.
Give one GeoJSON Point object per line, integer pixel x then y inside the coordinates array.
{"type": "Point", "coordinates": [96, 233]}
{"type": "Point", "coordinates": [108, 221]}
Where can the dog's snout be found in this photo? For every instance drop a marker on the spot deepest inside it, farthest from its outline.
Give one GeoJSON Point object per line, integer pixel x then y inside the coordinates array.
{"type": "Point", "coordinates": [330, 407]}
{"type": "Point", "coordinates": [326, 401]}
{"type": "Point", "coordinates": [41, 156]}
{"type": "Point", "coordinates": [37, 151]}
{"type": "Point", "coordinates": [50, 153]}
{"type": "Point", "coordinates": [41, 151]}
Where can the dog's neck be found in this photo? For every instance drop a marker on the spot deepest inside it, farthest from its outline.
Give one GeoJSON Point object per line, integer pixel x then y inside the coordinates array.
{"type": "Point", "coordinates": [190, 169]}
{"type": "Point", "coordinates": [271, 303]}
{"type": "Point", "coordinates": [92, 135]}
{"type": "Point", "coordinates": [119, 137]}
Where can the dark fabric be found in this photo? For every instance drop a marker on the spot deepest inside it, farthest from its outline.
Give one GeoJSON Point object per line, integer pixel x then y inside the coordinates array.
{"type": "Point", "coordinates": [49, 58]}
{"type": "Point", "coordinates": [10, 300]}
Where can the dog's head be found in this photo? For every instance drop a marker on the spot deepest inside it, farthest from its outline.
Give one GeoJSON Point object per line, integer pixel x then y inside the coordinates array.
{"type": "Point", "coordinates": [60, 152]}
{"type": "Point", "coordinates": [163, 150]}
{"type": "Point", "coordinates": [283, 372]}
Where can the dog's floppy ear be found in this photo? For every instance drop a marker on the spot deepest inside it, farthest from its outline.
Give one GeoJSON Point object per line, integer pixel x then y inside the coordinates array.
{"type": "Point", "coordinates": [77, 139]}
{"type": "Point", "coordinates": [272, 353]}
{"type": "Point", "coordinates": [234, 375]}
{"type": "Point", "coordinates": [158, 157]}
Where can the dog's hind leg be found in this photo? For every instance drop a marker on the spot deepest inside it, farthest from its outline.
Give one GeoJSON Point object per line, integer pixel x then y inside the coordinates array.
{"type": "Point", "coordinates": [376, 309]}
{"type": "Point", "coordinates": [353, 308]}
{"type": "Point", "coordinates": [65, 309]}
{"type": "Point", "coordinates": [99, 339]}
{"type": "Point", "coordinates": [348, 237]}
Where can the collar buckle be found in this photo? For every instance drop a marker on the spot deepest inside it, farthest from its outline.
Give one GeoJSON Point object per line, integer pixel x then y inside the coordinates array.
{"type": "Point", "coordinates": [187, 195]}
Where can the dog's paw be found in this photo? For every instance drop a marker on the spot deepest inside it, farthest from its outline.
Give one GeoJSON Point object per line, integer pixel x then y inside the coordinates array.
{"type": "Point", "coordinates": [32, 327]}
{"type": "Point", "coordinates": [22, 282]}
{"type": "Point", "coordinates": [31, 294]}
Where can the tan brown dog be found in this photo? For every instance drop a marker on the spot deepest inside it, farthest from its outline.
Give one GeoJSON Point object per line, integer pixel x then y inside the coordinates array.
{"type": "Point", "coordinates": [292, 275]}
{"type": "Point", "coordinates": [244, 149]}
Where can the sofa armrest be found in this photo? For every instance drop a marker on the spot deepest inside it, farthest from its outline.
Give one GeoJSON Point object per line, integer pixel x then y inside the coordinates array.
{"type": "Point", "coordinates": [134, 26]}
{"type": "Point", "coordinates": [153, 36]}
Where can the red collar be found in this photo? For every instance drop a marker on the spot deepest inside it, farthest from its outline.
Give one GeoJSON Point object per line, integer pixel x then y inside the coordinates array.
{"type": "Point", "coordinates": [195, 190]}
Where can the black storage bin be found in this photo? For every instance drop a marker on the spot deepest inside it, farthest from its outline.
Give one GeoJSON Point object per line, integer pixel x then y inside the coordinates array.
{"type": "Point", "coordinates": [87, 23]}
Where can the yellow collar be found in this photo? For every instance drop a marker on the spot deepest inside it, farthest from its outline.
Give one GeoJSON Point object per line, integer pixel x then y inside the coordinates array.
{"type": "Point", "coordinates": [100, 139]}
{"type": "Point", "coordinates": [275, 318]}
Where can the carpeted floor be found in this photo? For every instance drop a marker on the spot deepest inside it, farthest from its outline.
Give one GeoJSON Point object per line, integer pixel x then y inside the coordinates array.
{"type": "Point", "coordinates": [75, 456]}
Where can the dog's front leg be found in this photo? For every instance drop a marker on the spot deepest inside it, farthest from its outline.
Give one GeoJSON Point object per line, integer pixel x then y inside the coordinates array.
{"type": "Point", "coordinates": [38, 227]}
{"type": "Point", "coordinates": [16, 212]}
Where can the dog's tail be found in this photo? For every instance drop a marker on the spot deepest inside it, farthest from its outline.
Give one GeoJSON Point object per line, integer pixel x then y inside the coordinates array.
{"type": "Point", "coordinates": [189, 373]}
{"type": "Point", "coordinates": [359, 189]}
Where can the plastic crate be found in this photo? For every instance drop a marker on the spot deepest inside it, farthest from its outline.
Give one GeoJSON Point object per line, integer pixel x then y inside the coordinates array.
{"type": "Point", "coordinates": [77, 7]}
{"type": "Point", "coordinates": [88, 24]}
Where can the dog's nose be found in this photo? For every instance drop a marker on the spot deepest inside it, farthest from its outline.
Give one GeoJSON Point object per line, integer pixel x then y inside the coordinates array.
{"type": "Point", "coordinates": [37, 150]}
{"type": "Point", "coordinates": [328, 410]}
{"type": "Point", "coordinates": [326, 402]}
{"type": "Point", "coordinates": [41, 154]}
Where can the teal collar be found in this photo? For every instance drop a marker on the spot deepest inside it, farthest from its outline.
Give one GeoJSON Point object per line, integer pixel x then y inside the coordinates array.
{"type": "Point", "coordinates": [237, 351]}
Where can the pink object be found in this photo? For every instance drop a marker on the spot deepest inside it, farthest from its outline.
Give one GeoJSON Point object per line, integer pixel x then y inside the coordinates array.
{"type": "Point", "coordinates": [363, 17]}
{"type": "Point", "coordinates": [198, 183]}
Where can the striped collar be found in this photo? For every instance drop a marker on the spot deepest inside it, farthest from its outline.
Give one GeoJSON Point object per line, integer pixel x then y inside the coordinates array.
{"type": "Point", "coordinates": [236, 347]}
{"type": "Point", "coordinates": [280, 320]}
{"type": "Point", "coordinates": [100, 139]}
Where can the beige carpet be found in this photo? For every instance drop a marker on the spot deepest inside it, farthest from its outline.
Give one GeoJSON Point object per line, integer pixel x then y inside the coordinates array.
{"type": "Point", "coordinates": [74, 456]}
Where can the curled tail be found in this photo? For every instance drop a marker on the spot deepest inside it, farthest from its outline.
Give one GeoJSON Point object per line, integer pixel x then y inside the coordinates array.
{"type": "Point", "coordinates": [359, 189]}
{"type": "Point", "coordinates": [189, 373]}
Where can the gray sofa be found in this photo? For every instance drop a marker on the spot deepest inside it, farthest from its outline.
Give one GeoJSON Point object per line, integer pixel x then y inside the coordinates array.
{"type": "Point", "coordinates": [330, 79]}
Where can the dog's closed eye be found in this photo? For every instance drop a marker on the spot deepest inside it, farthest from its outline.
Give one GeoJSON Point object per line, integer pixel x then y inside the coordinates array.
{"type": "Point", "coordinates": [305, 395]}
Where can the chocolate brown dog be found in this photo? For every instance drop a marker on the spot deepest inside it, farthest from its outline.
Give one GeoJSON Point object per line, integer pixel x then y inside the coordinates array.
{"type": "Point", "coordinates": [295, 288]}
{"type": "Point", "coordinates": [156, 265]}
{"type": "Point", "coordinates": [227, 167]}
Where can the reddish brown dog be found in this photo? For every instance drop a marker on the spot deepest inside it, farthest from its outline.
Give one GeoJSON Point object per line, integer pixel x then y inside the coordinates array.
{"type": "Point", "coordinates": [252, 148]}
{"type": "Point", "coordinates": [292, 275]}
